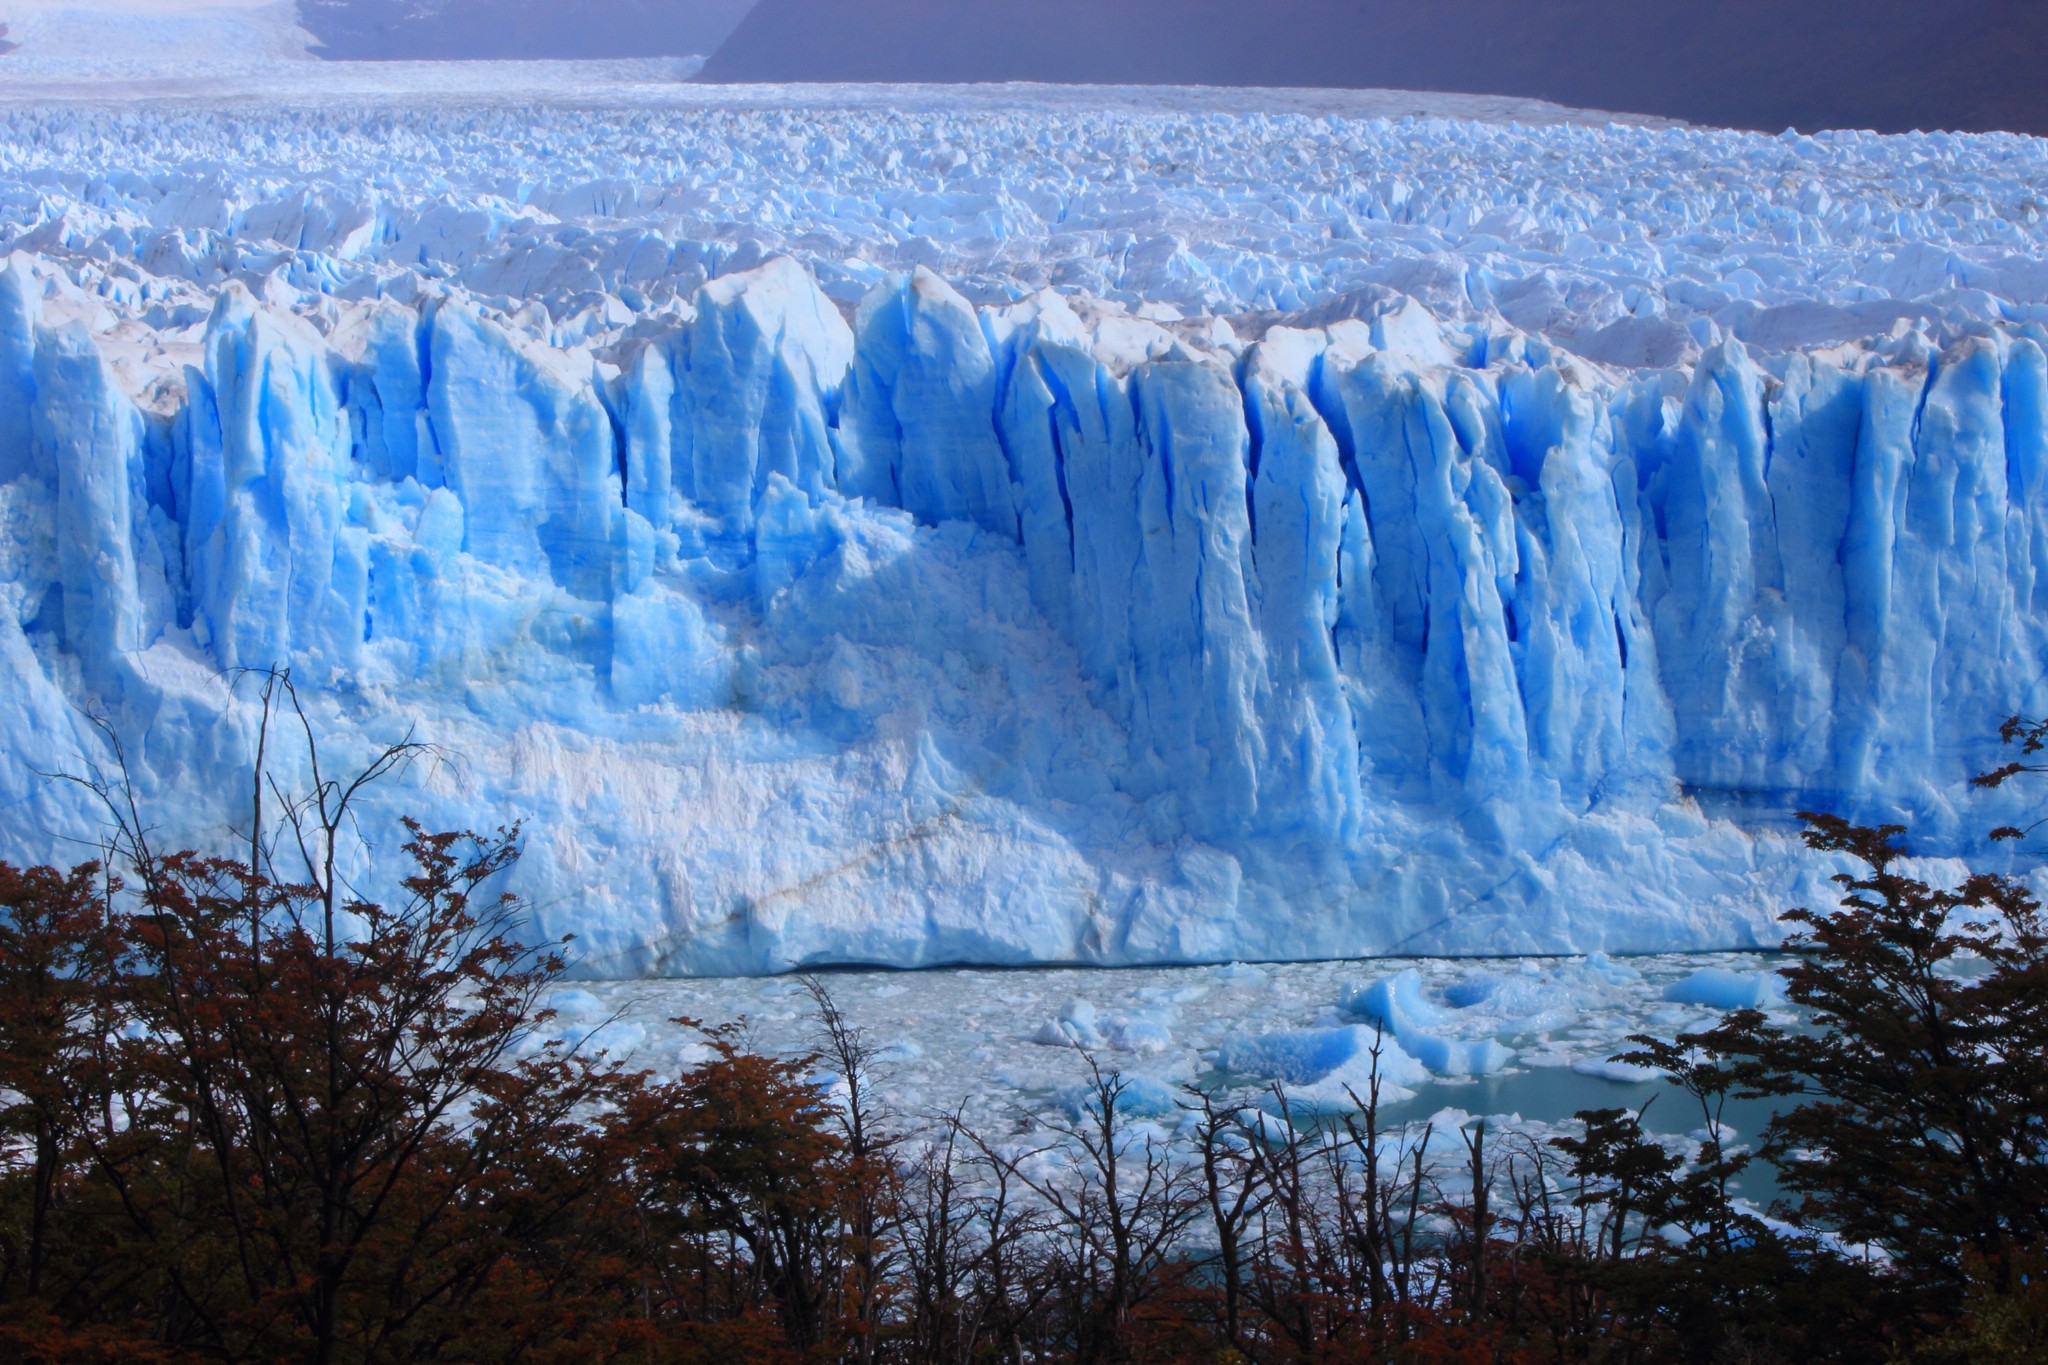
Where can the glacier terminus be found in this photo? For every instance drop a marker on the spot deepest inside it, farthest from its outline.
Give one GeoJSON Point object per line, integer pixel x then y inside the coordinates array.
{"type": "Point", "coordinates": [998, 530]}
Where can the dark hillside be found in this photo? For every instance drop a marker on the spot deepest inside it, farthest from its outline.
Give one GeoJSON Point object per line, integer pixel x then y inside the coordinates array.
{"type": "Point", "coordinates": [1766, 64]}
{"type": "Point", "coordinates": [427, 30]}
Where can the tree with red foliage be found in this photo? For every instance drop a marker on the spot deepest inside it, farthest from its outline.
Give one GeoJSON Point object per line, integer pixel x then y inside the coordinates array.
{"type": "Point", "coordinates": [742, 1175]}
{"type": "Point", "coordinates": [1923, 1122]}
{"type": "Point", "coordinates": [283, 1112]}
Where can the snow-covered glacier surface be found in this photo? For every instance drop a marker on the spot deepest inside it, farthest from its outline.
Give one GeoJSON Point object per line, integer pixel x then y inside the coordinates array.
{"type": "Point", "coordinates": [1002, 527]}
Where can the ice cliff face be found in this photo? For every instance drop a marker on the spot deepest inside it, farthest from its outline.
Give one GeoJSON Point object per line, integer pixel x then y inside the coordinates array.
{"type": "Point", "coordinates": [1372, 636]}
{"type": "Point", "coordinates": [914, 629]}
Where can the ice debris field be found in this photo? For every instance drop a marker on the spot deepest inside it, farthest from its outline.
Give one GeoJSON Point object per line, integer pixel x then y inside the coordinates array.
{"type": "Point", "coordinates": [1523, 1044]}
{"type": "Point", "coordinates": [1010, 527]}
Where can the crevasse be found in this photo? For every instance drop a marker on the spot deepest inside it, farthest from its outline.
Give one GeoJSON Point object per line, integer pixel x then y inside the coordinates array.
{"type": "Point", "coordinates": [1040, 632]}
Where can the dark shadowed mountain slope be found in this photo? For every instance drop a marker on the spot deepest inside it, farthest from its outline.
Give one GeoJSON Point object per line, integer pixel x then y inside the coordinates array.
{"type": "Point", "coordinates": [382, 30]}
{"type": "Point", "coordinates": [1769, 64]}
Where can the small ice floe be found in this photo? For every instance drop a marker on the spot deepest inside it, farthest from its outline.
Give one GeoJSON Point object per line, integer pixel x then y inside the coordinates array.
{"type": "Point", "coordinates": [1075, 1027]}
{"type": "Point", "coordinates": [1325, 1070]}
{"type": "Point", "coordinates": [1425, 1029]}
{"type": "Point", "coordinates": [1721, 989]}
{"type": "Point", "coordinates": [1080, 1025]}
{"type": "Point", "coordinates": [580, 1022]}
{"type": "Point", "coordinates": [1143, 1033]}
{"type": "Point", "coordinates": [1144, 1097]}
{"type": "Point", "coordinates": [1605, 967]}
{"type": "Point", "coordinates": [1621, 1073]}
{"type": "Point", "coordinates": [574, 1004]}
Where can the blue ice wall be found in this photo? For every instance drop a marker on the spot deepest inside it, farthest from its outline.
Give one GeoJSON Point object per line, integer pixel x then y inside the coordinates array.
{"type": "Point", "coordinates": [1042, 632]}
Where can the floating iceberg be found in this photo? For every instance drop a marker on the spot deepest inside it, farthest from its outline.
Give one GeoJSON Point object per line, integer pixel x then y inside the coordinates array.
{"type": "Point", "coordinates": [1325, 1070]}
{"type": "Point", "coordinates": [827, 611]}
{"type": "Point", "coordinates": [1723, 989]}
{"type": "Point", "coordinates": [1397, 1006]}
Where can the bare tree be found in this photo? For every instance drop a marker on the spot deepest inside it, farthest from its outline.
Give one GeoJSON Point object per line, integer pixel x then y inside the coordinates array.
{"type": "Point", "coordinates": [1122, 1214]}
{"type": "Point", "coordinates": [874, 1188]}
{"type": "Point", "coordinates": [1234, 1194]}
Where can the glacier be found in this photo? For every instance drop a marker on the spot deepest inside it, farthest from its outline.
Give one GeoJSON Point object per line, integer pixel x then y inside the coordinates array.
{"type": "Point", "coordinates": [1001, 530]}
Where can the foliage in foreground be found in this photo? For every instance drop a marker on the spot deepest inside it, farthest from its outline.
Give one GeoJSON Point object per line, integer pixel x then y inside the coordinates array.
{"type": "Point", "coordinates": [250, 1116]}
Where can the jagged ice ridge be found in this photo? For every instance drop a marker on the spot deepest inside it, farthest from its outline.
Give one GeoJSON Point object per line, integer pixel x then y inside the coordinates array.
{"type": "Point", "coordinates": [1257, 537]}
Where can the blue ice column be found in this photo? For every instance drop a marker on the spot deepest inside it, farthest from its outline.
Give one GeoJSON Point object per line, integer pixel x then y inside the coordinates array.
{"type": "Point", "coordinates": [917, 426]}
{"type": "Point", "coordinates": [387, 400]}
{"type": "Point", "coordinates": [91, 437]}
{"type": "Point", "coordinates": [757, 375]}
{"type": "Point", "coordinates": [1843, 585]}
{"type": "Point", "coordinates": [1891, 403]}
{"type": "Point", "coordinates": [1720, 613]}
{"type": "Point", "coordinates": [40, 726]}
{"type": "Point", "coordinates": [1093, 427]}
{"type": "Point", "coordinates": [1959, 653]}
{"type": "Point", "coordinates": [1444, 544]}
{"type": "Point", "coordinates": [1586, 660]}
{"type": "Point", "coordinates": [1309, 785]}
{"type": "Point", "coordinates": [527, 445]}
{"type": "Point", "coordinates": [20, 311]}
{"type": "Point", "coordinates": [643, 399]}
{"type": "Point", "coordinates": [1814, 420]}
{"type": "Point", "coordinates": [2026, 455]}
{"type": "Point", "coordinates": [1049, 406]}
{"type": "Point", "coordinates": [662, 644]}
{"type": "Point", "coordinates": [1197, 671]}
{"type": "Point", "coordinates": [1132, 500]}
{"type": "Point", "coordinates": [275, 574]}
